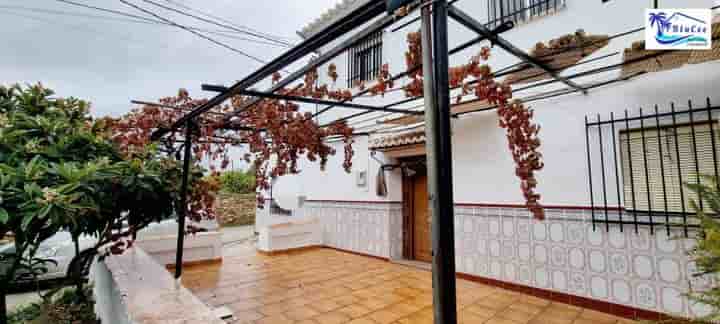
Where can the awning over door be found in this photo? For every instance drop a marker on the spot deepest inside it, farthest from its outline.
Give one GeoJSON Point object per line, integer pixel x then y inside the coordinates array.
{"type": "Point", "coordinates": [399, 139]}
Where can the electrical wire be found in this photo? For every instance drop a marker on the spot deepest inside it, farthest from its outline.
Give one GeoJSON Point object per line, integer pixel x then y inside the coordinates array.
{"type": "Point", "coordinates": [217, 23]}
{"type": "Point", "coordinates": [196, 33]}
{"type": "Point", "coordinates": [73, 14]}
{"type": "Point", "coordinates": [70, 26]}
{"type": "Point", "coordinates": [176, 3]}
{"type": "Point", "coordinates": [135, 19]}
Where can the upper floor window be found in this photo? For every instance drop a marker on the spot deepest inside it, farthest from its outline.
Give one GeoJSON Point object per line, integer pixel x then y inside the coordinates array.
{"type": "Point", "coordinates": [365, 59]}
{"type": "Point", "coordinates": [518, 11]}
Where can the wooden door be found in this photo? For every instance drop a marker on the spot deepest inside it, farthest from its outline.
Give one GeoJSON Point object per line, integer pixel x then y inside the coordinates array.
{"type": "Point", "coordinates": [422, 246]}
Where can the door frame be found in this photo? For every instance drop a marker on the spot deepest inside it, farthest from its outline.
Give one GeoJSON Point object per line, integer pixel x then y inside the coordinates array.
{"type": "Point", "coordinates": [408, 202]}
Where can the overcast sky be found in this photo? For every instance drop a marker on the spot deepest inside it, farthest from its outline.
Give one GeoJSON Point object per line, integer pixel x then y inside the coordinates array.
{"type": "Point", "coordinates": [110, 62]}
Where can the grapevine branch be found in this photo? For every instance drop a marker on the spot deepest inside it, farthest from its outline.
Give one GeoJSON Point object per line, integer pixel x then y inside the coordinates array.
{"type": "Point", "coordinates": [288, 134]}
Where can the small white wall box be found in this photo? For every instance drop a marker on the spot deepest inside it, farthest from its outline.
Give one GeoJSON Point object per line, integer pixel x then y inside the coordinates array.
{"type": "Point", "coordinates": [289, 235]}
{"type": "Point", "coordinates": [361, 178]}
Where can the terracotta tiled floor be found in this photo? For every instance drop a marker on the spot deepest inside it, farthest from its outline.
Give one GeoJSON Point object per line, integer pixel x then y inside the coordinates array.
{"type": "Point", "coordinates": [325, 286]}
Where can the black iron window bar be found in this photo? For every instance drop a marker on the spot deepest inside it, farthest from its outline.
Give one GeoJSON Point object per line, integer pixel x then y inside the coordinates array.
{"type": "Point", "coordinates": [365, 59]}
{"type": "Point", "coordinates": [647, 160]}
{"type": "Point", "coordinates": [517, 11]}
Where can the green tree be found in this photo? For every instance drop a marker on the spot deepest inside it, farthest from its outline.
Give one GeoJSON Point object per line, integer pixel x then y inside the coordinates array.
{"type": "Point", "coordinates": [238, 181]}
{"type": "Point", "coordinates": [60, 171]}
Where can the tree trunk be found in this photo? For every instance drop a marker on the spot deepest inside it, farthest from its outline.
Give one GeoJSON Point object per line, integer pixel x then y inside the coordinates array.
{"type": "Point", "coordinates": [3, 306]}
{"type": "Point", "coordinates": [77, 278]}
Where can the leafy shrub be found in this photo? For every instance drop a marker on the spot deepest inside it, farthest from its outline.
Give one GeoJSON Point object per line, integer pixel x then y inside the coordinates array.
{"type": "Point", "coordinates": [63, 171]}
{"type": "Point", "coordinates": [63, 306]}
{"type": "Point", "coordinates": [238, 181]}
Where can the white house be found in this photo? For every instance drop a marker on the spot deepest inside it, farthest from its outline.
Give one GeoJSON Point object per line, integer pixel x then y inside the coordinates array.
{"type": "Point", "coordinates": [613, 252]}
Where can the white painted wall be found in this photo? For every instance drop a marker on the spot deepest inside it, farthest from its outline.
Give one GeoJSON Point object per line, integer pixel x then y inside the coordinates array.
{"type": "Point", "coordinates": [484, 172]}
{"type": "Point", "coordinates": [334, 183]}
{"type": "Point", "coordinates": [480, 147]}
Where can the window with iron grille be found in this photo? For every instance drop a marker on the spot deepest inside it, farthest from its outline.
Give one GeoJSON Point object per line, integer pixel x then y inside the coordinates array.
{"type": "Point", "coordinates": [640, 166]}
{"type": "Point", "coordinates": [365, 59]}
{"type": "Point", "coordinates": [518, 11]}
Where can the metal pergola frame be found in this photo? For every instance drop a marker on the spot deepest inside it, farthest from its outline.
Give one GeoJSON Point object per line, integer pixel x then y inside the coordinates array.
{"type": "Point", "coordinates": [372, 15]}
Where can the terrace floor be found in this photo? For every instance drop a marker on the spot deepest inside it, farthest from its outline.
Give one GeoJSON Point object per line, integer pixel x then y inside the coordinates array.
{"type": "Point", "coordinates": [326, 286]}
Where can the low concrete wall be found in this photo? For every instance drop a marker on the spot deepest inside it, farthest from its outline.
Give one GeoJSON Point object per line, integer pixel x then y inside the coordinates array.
{"type": "Point", "coordinates": [132, 288]}
{"type": "Point", "coordinates": [199, 247]}
{"type": "Point", "coordinates": [288, 235]}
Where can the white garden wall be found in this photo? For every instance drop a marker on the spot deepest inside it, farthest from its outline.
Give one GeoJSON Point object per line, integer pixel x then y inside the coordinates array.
{"type": "Point", "coordinates": [132, 288]}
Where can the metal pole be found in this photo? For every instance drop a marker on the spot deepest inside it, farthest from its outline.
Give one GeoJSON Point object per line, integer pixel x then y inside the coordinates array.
{"type": "Point", "coordinates": [712, 142]}
{"type": "Point", "coordinates": [270, 95]}
{"type": "Point", "coordinates": [439, 150]}
{"type": "Point", "coordinates": [662, 170]}
{"type": "Point", "coordinates": [679, 168]}
{"type": "Point", "coordinates": [695, 152]}
{"type": "Point", "coordinates": [589, 159]}
{"type": "Point", "coordinates": [615, 144]}
{"type": "Point", "coordinates": [628, 134]}
{"type": "Point", "coordinates": [647, 172]}
{"type": "Point", "coordinates": [182, 210]}
{"type": "Point", "coordinates": [602, 172]}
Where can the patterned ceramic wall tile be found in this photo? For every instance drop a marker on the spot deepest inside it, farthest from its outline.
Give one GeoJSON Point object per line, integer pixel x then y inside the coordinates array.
{"type": "Point", "coordinates": [374, 229]}
{"type": "Point", "coordinates": [564, 253]}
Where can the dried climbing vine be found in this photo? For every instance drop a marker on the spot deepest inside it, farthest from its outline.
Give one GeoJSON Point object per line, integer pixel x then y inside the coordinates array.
{"type": "Point", "coordinates": [475, 78]}
{"type": "Point", "coordinates": [277, 133]}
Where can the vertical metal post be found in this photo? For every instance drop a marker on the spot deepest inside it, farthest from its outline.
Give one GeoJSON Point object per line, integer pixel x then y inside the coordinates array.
{"type": "Point", "coordinates": [617, 172]}
{"type": "Point", "coordinates": [492, 17]}
{"type": "Point", "coordinates": [182, 210]}
{"type": "Point", "coordinates": [587, 146]}
{"type": "Point", "coordinates": [712, 142]}
{"type": "Point", "coordinates": [679, 168]}
{"type": "Point", "coordinates": [502, 11]}
{"type": "Point", "coordinates": [632, 180]}
{"type": "Point", "coordinates": [662, 170]}
{"type": "Point", "coordinates": [439, 150]}
{"type": "Point", "coordinates": [602, 172]}
{"type": "Point", "coordinates": [695, 151]}
{"type": "Point", "coordinates": [647, 173]}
